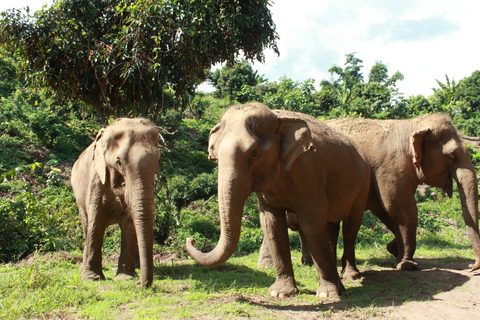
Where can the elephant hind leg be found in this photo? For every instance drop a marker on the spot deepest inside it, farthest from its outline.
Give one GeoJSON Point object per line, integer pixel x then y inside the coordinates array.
{"type": "Point", "coordinates": [265, 259]}
{"type": "Point", "coordinates": [396, 245]}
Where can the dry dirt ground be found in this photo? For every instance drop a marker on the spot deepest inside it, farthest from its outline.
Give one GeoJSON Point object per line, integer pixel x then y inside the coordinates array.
{"type": "Point", "coordinates": [443, 293]}
{"type": "Point", "coordinates": [438, 293]}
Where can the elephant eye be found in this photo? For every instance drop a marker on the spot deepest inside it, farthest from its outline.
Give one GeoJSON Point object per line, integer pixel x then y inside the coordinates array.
{"type": "Point", "coordinates": [254, 154]}
{"type": "Point", "coordinates": [119, 163]}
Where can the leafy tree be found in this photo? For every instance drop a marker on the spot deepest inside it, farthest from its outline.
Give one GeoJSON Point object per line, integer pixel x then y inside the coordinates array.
{"type": "Point", "coordinates": [229, 80]}
{"type": "Point", "coordinates": [378, 73]}
{"type": "Point", "coordinates": [118, 55]}
{"type": "Point", "coordinates": [444, 97]}
{"type": "Point", "coordinates": [468, 90]}
{"type": "Point", "coordinates": [346, 79]}
{"type": "Point", "coordinates": [418, 105]}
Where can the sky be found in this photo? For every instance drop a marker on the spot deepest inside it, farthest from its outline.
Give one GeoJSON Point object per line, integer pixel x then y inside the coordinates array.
{"type": "Point", "coordinates": [423, 39]}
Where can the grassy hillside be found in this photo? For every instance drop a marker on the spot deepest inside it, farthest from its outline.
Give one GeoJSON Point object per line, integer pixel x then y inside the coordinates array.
{"type": "Point", "coordinates": [41, 237]}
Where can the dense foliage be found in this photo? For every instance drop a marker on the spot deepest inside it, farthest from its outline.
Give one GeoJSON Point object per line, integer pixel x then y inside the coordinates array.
{"type": "Point", "coordinates": [118, 55]}
{"type": "Point", "coordinates": [42, 132]}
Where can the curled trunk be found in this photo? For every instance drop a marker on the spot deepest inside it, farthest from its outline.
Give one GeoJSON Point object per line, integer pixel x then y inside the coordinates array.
{"type": "Point", "coordinates": [231, 199]}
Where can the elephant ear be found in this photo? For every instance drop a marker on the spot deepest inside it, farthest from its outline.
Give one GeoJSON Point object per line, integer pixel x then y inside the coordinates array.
{"type": "Point", "coordinates": [417, 149]}
{"type": "Point", "coordinates": [99, 157]}
{"type": "Point", "coordinates": [215, 134]}
{"type": "Point", "coordinates": [295, 139]}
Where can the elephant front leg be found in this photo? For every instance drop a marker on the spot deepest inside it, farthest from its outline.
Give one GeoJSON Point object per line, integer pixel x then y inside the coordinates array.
{"type": "Point", "coordinates": [274, 227]}
{"type": "Point", "coordinates": [407, 245]}
{"type": "Point", "coordinates": [318, 240]}
{"type": "Point", "coordinates": [128, 252]}
{"type": "Point", "coordinates": [92, 253]}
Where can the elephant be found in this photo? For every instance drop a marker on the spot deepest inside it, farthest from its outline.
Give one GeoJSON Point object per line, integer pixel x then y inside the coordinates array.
{"type": "Point", "coordinates": [113, 182]}
{"type": "Point", "coordinates": [402, 155]}
{"type": "Point", "coordinates": [294, 162]}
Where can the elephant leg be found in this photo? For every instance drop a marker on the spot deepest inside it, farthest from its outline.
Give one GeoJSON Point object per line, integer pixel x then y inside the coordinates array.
{"type": "Point", "coordinates": [317, 237]}
{"type": "Point", "coordinates": [128, 251]}
{"type": "Point", "coordinates": [350, 230]}
{"type": "Point", "coordinates": [403, 222]}
{"type": "Point", "coordinates": [92, 253]}
{"type": "Point", "coordinates": [265, 260]}
{"type": "Point", "coordinates": [306, 256]}
{"type": "Point", "coordinates": [275, 232]}
{"type": "Point", "coordinates": [407, 231]}
{"type": "Point", "coordinates": [392, 246]}
{"type": "Point", "coordinates": [333, 231]}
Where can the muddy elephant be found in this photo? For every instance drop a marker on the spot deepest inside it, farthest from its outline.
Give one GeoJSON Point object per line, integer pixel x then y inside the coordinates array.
{"type": "Point", "coordinates": [292, 162]}
{"type": "Point", "coordinates": [113, 182]}
{"type": "Point", "coordinates": [404, 154]}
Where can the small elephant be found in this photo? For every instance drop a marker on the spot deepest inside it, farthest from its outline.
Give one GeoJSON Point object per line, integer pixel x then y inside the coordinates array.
{"type": "Point", "coordinates": [113, 182]}
{"type": "Point", "coordinates": [292, 162]}
{"type": "Point", "coordinates": [403, 154]}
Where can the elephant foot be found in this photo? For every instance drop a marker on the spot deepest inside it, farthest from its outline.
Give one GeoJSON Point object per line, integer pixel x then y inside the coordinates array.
{"type": "Point", "coordinates": [475, 266]}
{"type": "Point", "coordinates": [125, 276]}
{"type": "Point", "coordinates": [265, 263]}
{"type": "Point", "coordinates": [307, 260]}
{"type": "Point", "coordinates": [408, 265]}
{"type": "Point", "coordinates": [330, 290]}
{"type": "Point", "coordinates": [90, 275]}
{"type": "Point", "coordinates": [283, 288]}
{"type": "Point", "coordinates": [392, 247]}
{"type": "Point", "coordinates": [351, 273]}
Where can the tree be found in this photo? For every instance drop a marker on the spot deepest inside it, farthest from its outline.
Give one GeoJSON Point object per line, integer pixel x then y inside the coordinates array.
{"type": "Point", "coordinates": [118, 55]}
{"type": "Point", "coordinates": [445, 96]}
{"type": "Point", "coordinates": [229, 80]}
{"type": "Point", "coordinates": [468, 90]}
{"type": "Point", "coordinates": [378, 73]}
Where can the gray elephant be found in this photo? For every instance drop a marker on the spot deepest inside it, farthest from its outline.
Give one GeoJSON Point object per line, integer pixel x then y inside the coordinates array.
{"type": "Point", "coordinates": [293, 162]}
{"type": "Point", "coordinates": [404, 154]}
{"type": "Point", "coordinates": [113, 182]}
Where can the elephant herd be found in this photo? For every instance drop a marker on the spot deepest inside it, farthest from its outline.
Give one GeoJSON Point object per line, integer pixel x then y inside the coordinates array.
{"type": "Point", "coordinates": [307, 174]}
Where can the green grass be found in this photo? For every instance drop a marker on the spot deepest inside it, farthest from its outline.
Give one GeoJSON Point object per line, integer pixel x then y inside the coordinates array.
{"type": "Point", "coordinates": [49, 286]}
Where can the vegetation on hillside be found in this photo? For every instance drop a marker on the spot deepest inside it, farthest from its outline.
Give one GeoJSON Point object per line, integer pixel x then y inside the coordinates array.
{"type": "Point", "coordinates": [47, 119]}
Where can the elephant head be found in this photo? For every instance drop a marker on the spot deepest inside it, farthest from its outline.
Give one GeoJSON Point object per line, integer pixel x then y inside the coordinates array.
{"type": "Point", "coordinates": [254, 147]}
{"type": "Point", "coordinates": [438, 156]}
{"type": "Point", "coordinates": [126, 158]}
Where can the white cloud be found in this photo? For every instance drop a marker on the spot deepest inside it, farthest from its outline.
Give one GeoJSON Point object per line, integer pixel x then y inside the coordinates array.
{"type": "Point", "coordinates": [424, 40]}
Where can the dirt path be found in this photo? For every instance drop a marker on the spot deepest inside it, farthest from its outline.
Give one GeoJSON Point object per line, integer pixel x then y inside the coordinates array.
{"type": "Point", "coordinates": [432, 293]}
{"type": "Point", "coordinates": [461, 302]}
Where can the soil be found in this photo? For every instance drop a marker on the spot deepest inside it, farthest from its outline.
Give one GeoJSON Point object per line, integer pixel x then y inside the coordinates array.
{"type": "Point", "coordinates": [443, 293]}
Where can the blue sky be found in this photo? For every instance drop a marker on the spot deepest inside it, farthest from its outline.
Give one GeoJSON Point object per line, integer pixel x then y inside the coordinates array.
{"type": "Point", "coordinates": [423, 39]}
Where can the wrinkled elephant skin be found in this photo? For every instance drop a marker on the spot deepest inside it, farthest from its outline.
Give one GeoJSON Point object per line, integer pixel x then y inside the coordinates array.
{"type": "Point", "coordinates": [292, 162]}
{"type": "Point", "coordinates": [113, 182]}
{"type": "Point", "coordinates": [404, 154]}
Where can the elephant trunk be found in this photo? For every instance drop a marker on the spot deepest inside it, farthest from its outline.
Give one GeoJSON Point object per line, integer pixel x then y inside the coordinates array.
{"type": "Point", "coordinates": [467, 183]}
{"type": "Point", "coordinates": [141, 200]}
{"type": "Point", "coordinates": [233, 190]}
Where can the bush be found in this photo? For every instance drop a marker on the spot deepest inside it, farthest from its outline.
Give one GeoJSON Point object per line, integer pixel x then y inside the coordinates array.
{"type": "Point", "coordinates": [27, 224]}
